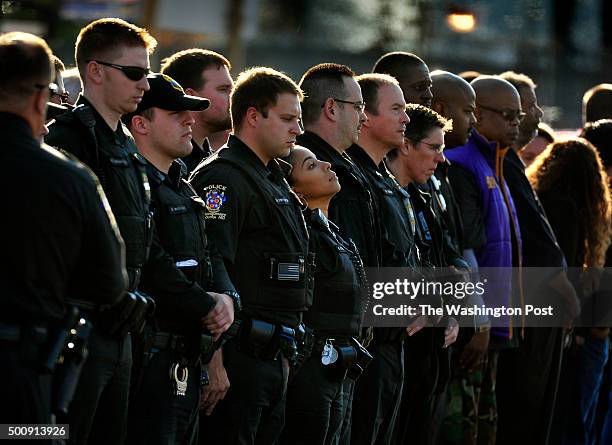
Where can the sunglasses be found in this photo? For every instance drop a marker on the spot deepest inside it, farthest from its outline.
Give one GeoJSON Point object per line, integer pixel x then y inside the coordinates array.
{"type": "Point", "coordinates": [134, 73]}
{"type": "Point", "coordinates": [507, 114]}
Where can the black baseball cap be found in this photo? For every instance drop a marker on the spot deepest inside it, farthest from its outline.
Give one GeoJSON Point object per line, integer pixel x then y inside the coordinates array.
{"type": "Point", "coordinates": [167, 94]}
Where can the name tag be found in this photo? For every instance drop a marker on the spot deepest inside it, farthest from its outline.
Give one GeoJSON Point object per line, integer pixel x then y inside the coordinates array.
{"type": "Point", "coordinates": [282, 201]}
{"type": "Point", "coordinates": [119, 162]}
{"type": "Point", "coordinates": [388, 192]}
{"type": "Point", "coordinates": [175, 210]}
{"type": "Point", "coordinates": [491, 182]}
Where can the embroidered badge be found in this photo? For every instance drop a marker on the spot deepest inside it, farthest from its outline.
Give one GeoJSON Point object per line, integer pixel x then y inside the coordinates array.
{"type": "Point", "coordinates": [214, 198]}
{"type": "Point", "coordinates": [491, 182]}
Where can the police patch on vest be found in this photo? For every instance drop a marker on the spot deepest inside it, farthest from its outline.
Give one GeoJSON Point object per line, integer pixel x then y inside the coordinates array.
{"type": "Point", "coordinates": [491, 182]}
{"type": "Point", "coordinates": [214, 198]}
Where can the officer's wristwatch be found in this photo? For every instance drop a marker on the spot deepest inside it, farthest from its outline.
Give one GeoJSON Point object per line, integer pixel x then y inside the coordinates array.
{"type": "Point", "coordinates": [235, 296]}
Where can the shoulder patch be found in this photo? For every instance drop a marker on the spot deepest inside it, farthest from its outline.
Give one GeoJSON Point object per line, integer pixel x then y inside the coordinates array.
{"type": "Point", "coordinates": [214, 198]}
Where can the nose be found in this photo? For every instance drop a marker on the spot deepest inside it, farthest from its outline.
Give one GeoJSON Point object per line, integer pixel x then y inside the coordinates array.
{"type": "Point", "coordinates": [362, 116]}
{"type": "Point", "coordinates": [189, 119]}
{"type": "Point", "coordinates": [427, 94]}
{"type": "Point", "coordinates": [326, 166]}
{"type": "Point", "coordinates": [439, 158]}
{"type": "Point", "coordinates": [296, 128]}
{"type": "Point", "coordinates": [404, 117]}
{"type": "Point", "coordinates": [473, 119]}
{"type": "Point", "coordinates": [143, 84]}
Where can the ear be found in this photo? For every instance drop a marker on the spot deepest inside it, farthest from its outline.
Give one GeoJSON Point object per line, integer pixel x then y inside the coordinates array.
{"type": "Point", "coordinates": [40, 102]}
{"type": "Point", "coordinates": [329, 110]}
{"type": "Point", "coordinates": [139, 125]}
{"type": "Point", "coordinates": [94, 73]}
{"type": "Point", "coordinates": [406, 147]}
{"type": "Point", "coordinates": [191, 92]}
{"type": "Point", "coordinates": [301, 197]}
{"type": "Point", "coordinates": [252, 117]}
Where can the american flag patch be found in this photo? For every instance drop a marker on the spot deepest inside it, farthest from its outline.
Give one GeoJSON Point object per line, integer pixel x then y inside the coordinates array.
{"type": "Point", "coordinates": [288, 272]}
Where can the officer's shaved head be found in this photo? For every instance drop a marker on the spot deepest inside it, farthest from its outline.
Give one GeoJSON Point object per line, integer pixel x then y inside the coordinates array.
{"type": "Point", "coordinates": [498, 109]}
{"type": "Point", "coordinates": [454, 99]}
{"type": "Point", "coordinates": [488, 87]}
{"type": "Point", "coordinates": [449, 87]}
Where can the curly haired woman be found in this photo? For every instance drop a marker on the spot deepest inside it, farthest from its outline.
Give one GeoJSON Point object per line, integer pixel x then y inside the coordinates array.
{"type": "Point", "coordinates": [572, 184]}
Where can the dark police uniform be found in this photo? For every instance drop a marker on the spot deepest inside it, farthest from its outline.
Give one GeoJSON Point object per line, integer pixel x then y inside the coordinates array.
{"type": "Point", "coordinates": [427, 363]}
{"type": "Point", "coordinates": [255, 220]}
{"type": "Point", "coordinates": [197, 155]}
{"type": "Point", "coordinates": [314, 396]}
{"type": "Point", "coordinates": [158, 413]}
{"type": "Point", "coordinates": [99, 409]}
{"type": "Point", "coordinates": [59, 240]}
{"type": "Point", "coordinates": [378, 392]}
{"type": "Point", "coordinates": [353, 209]}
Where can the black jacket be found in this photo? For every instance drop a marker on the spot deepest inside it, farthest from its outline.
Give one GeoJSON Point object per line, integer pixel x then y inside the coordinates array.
{"type": "Point", "coordinates": [353, 208]}
{"type": "Point", "coordinates": [59, 238]}
{"type": "Point", "coordinates": [255, 220]}
{"type": "Point", "coordinates": [112, 155]}
{"type": "Point", "coordinates": [399, 247]}
{"type": "Point", "coordinates": [179, 221]}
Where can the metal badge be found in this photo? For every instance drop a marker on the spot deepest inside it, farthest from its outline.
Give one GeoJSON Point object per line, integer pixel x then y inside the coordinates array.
{"type": "Point", "coordinates": [179, 383]}
{"type": "Point", "coordinates": [329, 354]}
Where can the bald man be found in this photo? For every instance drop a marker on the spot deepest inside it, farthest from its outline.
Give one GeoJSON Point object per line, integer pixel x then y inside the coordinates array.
{"type": "Point", "coordinates": [526, 376]}
{"type": "Point", "coordinates": [491, 234]}
{"type": "Point", "coordinates": [412, 74]}
{"type": "Point", "coordinates": [454, 99]}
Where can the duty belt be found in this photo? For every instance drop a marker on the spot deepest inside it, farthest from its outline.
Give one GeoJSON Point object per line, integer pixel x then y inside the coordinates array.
{"type": "Point", "coordinates": [265, 340]}
{"type": "Point", "coordinates": [176, 342]}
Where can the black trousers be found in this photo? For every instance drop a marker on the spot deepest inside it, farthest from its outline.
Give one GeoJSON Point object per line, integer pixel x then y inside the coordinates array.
{"type": "Point", "coordinates": [426, 374]}
{"type": "Point", "coordinates": [25, 392]}
{"type": "Point", "coordinates": [157, 414]}
{"type": "Point", "coordinates": [98, 413]}
{"type": "Point", "coordinates": [313, 413]}
{"type": "Point", "coordinates": [343, 436]}
{"type": "Point", "coordinates": [253, 410]}
{"type": "Point", "coordinates": [377, 394]}
{"type": "Point", "coordinates": [527, 380]}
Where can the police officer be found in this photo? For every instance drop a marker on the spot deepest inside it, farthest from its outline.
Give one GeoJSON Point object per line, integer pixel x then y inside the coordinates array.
{"type": "Point", "coordinates": [165, 409]}
{"type": "Point", "coordinates": [378, 392]}
{"type": "Point", "coordinates": [59, 238]}
{"type": "Point", "coordinates": [255, 219]}
{"type": "Point", "coordinates": [204, 73]}
{"type": "Point", "coordinates": [427, 359]}
{"type": "Point", "coordinates": [334, 112]}
{"type": "Point", "coordinates": [335, 316]}
{"type": "Point", "coordinates": [113, 60]}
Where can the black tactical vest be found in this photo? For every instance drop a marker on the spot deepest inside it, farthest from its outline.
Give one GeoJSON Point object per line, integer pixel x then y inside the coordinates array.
{"type": "Point", "coordinates": [121, 171]}
{"type": "Point", "coordinates": [339, 280]}
{"type": "Point", "coordinates": [180, 225]}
